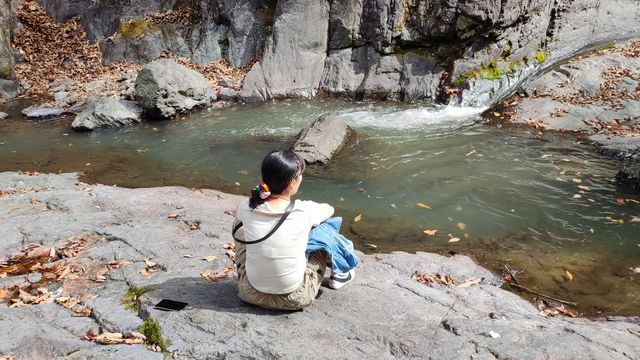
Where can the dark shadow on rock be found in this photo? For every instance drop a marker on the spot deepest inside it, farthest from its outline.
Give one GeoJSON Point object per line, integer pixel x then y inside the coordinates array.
{"type": "Point", "coordinates": [202, 294]}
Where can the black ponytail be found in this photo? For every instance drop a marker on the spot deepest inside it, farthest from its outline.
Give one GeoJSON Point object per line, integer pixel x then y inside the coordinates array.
{"type": "Point", "coordinates": [279, 167]}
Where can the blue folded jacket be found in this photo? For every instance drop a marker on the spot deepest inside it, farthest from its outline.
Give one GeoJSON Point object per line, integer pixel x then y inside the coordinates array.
{"type": "Point", "coordinates": [326, 236]}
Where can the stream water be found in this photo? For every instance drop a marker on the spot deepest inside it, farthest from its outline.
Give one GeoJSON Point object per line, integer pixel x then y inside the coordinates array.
{"type": "Point", "coordinates": [511, 196]}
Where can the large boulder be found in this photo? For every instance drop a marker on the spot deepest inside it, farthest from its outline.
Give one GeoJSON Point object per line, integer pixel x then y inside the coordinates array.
{"type": "Point", "coordinates": [320, 140]}
{"type": "Point", "coordinates": [165, 88]}
{"type": "Point", "coordinates": [107, 112]}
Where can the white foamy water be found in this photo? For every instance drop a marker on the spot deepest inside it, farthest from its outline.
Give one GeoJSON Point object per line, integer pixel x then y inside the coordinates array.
{"type": "Point", "coordinates": [414, 119]}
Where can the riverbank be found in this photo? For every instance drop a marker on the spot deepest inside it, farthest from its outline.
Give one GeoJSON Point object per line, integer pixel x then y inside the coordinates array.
{"type": "Point", "coordinates": [174, 228]}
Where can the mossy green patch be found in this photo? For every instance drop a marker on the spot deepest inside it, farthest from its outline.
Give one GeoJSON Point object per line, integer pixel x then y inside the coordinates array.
{"type": "Point", "coordinates": [541, 57]}
{"type": "Point", "coordinates": [5, 72]}
{"type": "Point", "coordinates": [152, 330]}
{"type": "Point", "coordinates": [131, 297]}
{"type": "Point", "coordinates": [490, 71]}
{"type": "Point", "coordinates": [134, 29]}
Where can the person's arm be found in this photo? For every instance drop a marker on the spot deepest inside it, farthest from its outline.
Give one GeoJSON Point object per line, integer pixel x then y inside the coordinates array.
{"type": "Point", "coordinates": [318, 212]}
{"type": "Point", "coordinates": [325, 212]}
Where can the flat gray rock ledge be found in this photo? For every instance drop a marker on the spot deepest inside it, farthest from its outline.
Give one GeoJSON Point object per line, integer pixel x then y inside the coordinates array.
{"type": "Point", "coordinates": [383, 314]}
{"type": "Point", "coordinates": [321, 139]}
{"type": "Point", "coordinates": [107, 112]}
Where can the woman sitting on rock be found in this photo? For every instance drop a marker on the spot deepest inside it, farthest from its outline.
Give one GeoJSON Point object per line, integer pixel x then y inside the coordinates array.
{"type": "Point", "coordinates": [278, 266]}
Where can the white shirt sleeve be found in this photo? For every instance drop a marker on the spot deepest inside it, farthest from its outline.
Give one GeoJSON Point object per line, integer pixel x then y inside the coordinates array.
{"type": "Point", "coordinates": [316, 211]}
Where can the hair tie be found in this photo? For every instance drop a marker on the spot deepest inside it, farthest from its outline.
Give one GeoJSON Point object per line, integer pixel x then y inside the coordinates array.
{"type": "Point", "coordinates": [263, 190]}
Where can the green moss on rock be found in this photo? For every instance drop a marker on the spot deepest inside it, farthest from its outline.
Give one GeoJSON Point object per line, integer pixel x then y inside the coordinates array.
{"type": "Point", "coordinates": [152, 330]}
{"type": "Point", "coordinates": [134, 29]}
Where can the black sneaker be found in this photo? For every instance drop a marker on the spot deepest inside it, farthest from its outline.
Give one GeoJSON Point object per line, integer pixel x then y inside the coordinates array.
{"type": "Point", "coordinates": [338, 280]}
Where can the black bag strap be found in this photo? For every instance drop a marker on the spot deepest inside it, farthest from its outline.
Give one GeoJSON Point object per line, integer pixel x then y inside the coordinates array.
{"type": "Point", "coordinates": [287, 211]}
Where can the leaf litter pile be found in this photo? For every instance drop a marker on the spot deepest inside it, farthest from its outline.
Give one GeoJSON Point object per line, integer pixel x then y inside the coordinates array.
{"type": "Point", "coordinates": [443, 279]}
{"type": "Point", "coordinates": [612, 96]}
{"type": "Point", "coordinates": [52, 51]}
{"type": "Point", "coordinates": [55, 274]}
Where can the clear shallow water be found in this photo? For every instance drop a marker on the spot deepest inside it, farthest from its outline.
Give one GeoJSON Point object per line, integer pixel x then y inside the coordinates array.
{"type": "Point", "coordinates": [513, 191]}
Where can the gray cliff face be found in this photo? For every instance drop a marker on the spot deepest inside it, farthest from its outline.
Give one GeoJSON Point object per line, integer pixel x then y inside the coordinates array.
{"type": "Point", "coordinates": [8, 88]}
{"type": "Point", "coordinates": [214, 30]}
{"type": "Point", "coordinates": [462, 52]}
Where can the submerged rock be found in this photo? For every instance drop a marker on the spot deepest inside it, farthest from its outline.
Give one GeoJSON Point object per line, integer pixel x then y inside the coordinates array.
{"type": "Point", "coordinates": [630, 173]}
{"type": "Point", "coordinates": [320, 140]}
{"type": "Point", "coordinates": [165, 88]}
{"type": "Point", "coordinates": [107, 112]}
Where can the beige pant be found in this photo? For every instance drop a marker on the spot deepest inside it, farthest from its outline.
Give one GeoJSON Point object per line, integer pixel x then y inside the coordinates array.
{"type": "Point", "coordinates": [295, 300]}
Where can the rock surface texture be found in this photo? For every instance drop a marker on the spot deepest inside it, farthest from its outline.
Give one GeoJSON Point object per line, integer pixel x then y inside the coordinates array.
{"type": "Point", "coordinates": [382, 314]}
{"type": "Point", "coordinates": [598, 95]}
{"type": "Point", "coordinates": [472, 53]}
{"type": "Point", "coordinates": [165, 88]}
{"type": "Point", "coordinates": [321, 139]}
{"type": "Point", "coordinates": [107, 112]}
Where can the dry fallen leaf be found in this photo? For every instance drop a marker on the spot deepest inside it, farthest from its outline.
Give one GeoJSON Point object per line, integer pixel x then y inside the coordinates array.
{"type": "Point", "coordinates": [568, 276]}
{"type": "Point", "coordinates": [461, 226]}
{"type": "Point", "coordinates": [473, 281]}
{"type": "Point", "coordinates": [149, 263]}
{"type": "Point", "coordinates": [424, 206]}
{"type": "Point", "coordinates": [357, 218]}
{"type": "Point", "coordinates": [371, 246]}
{"type": "Point", "coordinates": [430, 232]}
{"type": "Point", "coordinates": [172, 216]}
{"type": "Point", "coordinates": [620, 201]}
{"type": "Point", "coordinates": [454, 239]}
{"type": "Point", "coordinates": [210, 258]}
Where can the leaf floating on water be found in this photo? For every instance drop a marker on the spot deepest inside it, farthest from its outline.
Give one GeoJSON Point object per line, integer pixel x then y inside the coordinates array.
{"type": "Point", "coordinates": [458, 208]}
{"type": "Point", "coordinates": [568, 275]}
{"type": "Point", "coordinates": [454, 239]}
{"type": "Point", "coordinates": [620, 201]}
{"type": "Point", "coordinates": [471, 152]}
{"type": "Point", "coordinates": [635, 271]}
{"type": "Point", "coordinates": [614, 220]}
{"type": "Point", "coordinates": [577, 196]}
{"type": "Point", "coordinates": [634, 201]}
{"type": "Point", "coordinates": [371, 246]}
{"type": "Point", "coordinates": [424, 206]}
{"type": "Point", "coordinates": [576, 180]}
{"type": "Point", "coordinates": [362, 190]}
{"type": "Point", "coordinates": [635, 219]}
{"type": "Point", "coordinates": [461, 225]}
{"type": "Point", "coordinates": [583, 187]}
{"type": "Point", "coordinates": [545, 156]}
{"type": "Point", "coordinates": [430, 232]}
{"type": "Point", "coordinates": [357, 218]}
